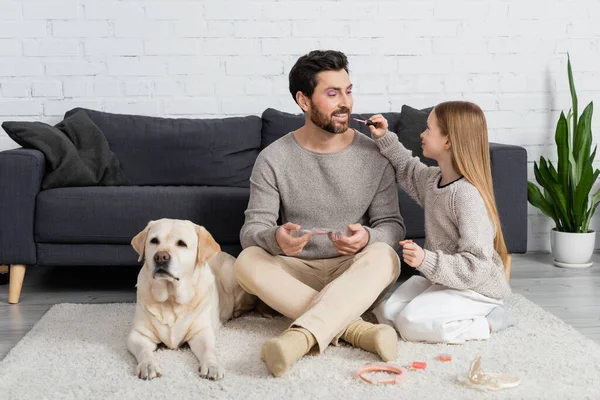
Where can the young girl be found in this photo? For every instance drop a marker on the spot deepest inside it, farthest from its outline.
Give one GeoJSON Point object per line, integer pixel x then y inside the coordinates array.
{"type": "Point", "coordinates": [459, 297]}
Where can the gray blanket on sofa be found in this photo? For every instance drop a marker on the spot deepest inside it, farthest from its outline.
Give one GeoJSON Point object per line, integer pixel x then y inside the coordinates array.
{"type": "Point", "coordinates": [76, 151]}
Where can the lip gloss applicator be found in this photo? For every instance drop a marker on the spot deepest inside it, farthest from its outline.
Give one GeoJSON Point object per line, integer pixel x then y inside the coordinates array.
{"type": "Point", "coordinates": [366, 121]}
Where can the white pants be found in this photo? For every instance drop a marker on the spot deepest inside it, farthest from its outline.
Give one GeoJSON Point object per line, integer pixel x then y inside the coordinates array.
{"type": "Point", "coordinates": [426, 312]}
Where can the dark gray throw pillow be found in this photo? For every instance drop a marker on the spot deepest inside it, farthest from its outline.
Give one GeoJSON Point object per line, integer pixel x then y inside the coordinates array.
{"type": "Point", "coordinates": [411, 124]}
{"type": "Point", "coordinates": [276, 124]}
{"type": "Point", "coordinates": [75, 149]}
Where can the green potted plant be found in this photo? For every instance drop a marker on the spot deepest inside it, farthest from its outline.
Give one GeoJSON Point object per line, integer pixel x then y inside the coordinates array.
{"type": "Point", "coordinates": [565, 194]}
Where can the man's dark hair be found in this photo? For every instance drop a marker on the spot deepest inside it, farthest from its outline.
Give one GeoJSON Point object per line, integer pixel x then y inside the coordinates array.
{"type": "Point", "coordinates": [303, 75]}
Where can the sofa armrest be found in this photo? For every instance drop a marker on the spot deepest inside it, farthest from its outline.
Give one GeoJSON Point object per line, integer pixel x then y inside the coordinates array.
{"type": "Point", "coordinates": [509, 174]}
{"type": "Point", "coordinates": [21, 175]}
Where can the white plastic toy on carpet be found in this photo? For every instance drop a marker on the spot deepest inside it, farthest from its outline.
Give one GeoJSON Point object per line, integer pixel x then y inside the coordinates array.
{"type": "Point", "coordinates": [478, 379]}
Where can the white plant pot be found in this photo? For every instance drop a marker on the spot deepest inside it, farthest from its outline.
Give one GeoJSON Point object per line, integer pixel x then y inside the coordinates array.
{"type": "Point", "coordinates": [572, 250]}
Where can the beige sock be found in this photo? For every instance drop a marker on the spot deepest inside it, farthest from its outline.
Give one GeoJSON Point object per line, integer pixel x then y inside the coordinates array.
{"type": "Point", "coordinates": [281, 352]}
{"type": "Point", "coordinates": [379, 339]}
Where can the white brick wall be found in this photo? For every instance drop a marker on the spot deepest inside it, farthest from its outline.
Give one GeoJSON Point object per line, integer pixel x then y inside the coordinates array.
{"type": "Point", "coordinates": [219, 57]}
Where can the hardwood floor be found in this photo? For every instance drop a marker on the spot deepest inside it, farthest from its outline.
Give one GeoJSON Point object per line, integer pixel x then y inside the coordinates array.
{"type": "Point", "coordinates": [572, 295]}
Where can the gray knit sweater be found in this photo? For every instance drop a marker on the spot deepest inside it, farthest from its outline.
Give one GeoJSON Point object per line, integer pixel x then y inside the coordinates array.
{"type": "Point", "coordinates": [322, 190]}
{"type": "Point", "coordinates": [459, 243]}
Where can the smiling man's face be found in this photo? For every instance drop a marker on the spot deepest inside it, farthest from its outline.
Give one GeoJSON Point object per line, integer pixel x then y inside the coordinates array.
{"type": "Point", "coordinates": [331, 102]}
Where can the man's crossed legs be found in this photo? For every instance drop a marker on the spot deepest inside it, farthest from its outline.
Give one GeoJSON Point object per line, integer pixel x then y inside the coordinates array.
{"type": "Point", "coordinates": [325, 298]}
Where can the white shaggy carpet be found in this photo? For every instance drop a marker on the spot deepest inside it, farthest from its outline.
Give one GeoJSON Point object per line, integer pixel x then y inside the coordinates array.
{"type": "Point", "coordinates": [77, 351]}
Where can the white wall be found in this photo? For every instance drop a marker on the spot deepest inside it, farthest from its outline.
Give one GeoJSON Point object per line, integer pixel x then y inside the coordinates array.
{"type": "Point", "coordinates": [216, 58]}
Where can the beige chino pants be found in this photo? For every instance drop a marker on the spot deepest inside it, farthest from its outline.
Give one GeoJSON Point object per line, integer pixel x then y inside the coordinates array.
{"type": "Point", "coordinates": [323, 296]}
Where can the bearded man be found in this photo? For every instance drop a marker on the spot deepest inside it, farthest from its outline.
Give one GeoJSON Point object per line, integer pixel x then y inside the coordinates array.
{"type": "Point", "coordinates": [323, 175]}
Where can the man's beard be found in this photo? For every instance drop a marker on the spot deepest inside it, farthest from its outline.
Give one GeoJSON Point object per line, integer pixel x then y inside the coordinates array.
{"type": "Point", "coordinates": [326, 123]}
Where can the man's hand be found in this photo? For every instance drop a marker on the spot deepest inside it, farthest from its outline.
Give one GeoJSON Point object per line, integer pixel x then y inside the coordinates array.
{"type": "Point", "coordinates": [291, 246]}
{"type": "Point", "coordinates": [378, 131]}
{"type": "Point", "coordinates": [412, 253]}
{"type": "Point", "coordinates": [352, 244]}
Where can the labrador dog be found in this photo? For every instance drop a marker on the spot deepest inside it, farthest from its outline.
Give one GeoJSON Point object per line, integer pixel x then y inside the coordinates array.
{"type": "Point", "coordinates": [185, 290]}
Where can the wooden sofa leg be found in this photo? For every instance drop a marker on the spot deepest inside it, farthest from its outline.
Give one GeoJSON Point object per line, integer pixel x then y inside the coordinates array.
{"type": "Point", "coordinates": [17, 274]}
{"type": "Point", "coordinates": [507, 267]}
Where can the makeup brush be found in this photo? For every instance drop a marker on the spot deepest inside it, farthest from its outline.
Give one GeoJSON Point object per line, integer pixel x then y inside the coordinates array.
{"type": "Point", "coordinates": [365, 121]}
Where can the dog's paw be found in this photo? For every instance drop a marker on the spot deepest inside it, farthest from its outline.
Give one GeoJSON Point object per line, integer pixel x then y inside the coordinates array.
{"type": "Point", "coordinates": [148, 369]}
{"type": "Point", "coordinates": [212, 371]}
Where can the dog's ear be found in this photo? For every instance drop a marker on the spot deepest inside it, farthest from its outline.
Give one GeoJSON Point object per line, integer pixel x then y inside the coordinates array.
{"type": "Point", "coordinates": [207, 246]}
{"type": "Point", "coordinates": [139, 241]}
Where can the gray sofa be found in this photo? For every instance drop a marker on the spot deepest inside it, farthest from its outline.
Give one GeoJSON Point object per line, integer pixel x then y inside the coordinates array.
{"type": "Point", "coordinates": [196, 169]}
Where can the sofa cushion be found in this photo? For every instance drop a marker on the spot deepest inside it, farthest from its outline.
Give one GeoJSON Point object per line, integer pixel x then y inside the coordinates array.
{"type": "Point", "coordinates": [114, 215]}
{"type": "Point", "coordinates": [103, 255]}
{"type": "Point", "coordinates": [413, 215]}
{"type": "Point", "coordinates": [181, 151]}
{"type": "Point", "coordinates": [410, 125]}
{"type": "Point", "coordinates": [276, 124]}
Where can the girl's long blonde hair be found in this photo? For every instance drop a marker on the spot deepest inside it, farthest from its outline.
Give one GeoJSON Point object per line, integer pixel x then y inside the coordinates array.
{"type": "Point", "coordinates": [464, 124]}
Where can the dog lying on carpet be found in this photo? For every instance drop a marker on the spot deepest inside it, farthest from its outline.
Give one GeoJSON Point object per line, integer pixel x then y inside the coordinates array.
{"type": "Point", "coordinates": [185, 290]}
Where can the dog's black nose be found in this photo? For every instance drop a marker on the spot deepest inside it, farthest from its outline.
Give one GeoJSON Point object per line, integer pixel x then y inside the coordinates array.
{"type": "Point", "coordinates": [162, 257]}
